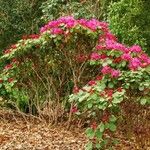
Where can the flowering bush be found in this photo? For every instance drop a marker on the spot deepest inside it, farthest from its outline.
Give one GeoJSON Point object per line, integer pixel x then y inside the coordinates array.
{"type": "Point", "coordinates": [124, 74]}
{"type": "Point", "coordinates": [45, 67]}
{"type": "Point", "coordinates": [81, 57]}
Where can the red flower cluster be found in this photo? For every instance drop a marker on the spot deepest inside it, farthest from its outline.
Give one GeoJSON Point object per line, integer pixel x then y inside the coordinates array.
{"type": "Point", "coordinates": [32, 36]}
{"type": "Point", "coordinates": [119, 89]}
{"type": "Point", "coordinates": [14, 60]}
{"type": "Point", "coordinates": [74, 109]}
{"type": "Point", "coordinates": [75, 89]}
{"type": "Point", "coordinates": [109, 92]}
{"type": "Point", "coordinates": [94, 125]}
{"type": "Point", "coordinates": [10, 80]}
{"type": "Point", "coordinates": [99, 78]}
{"type": "Point", "coordinates": [92, 82]}
{"type": "Point", "coordinates": [1, 81]}
{"type": "Point", "coordinates": [117, 60]}
{"type": "Point", "coordinates": [7, 51]}
{"type": "Point", "coordinates": [13, 46]}
{"type": "Point", "coordinates": [105, 118]}
{"type": "Point", "coordinates": [7, 67]}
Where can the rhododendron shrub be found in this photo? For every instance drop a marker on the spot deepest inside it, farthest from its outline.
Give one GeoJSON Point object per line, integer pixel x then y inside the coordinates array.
{"type": "Point", "coordinates": [124, 74]}
{"type": "Point", "coordinates": [54, 62]}
{"type": "Point", "coordinates": [84, 58]}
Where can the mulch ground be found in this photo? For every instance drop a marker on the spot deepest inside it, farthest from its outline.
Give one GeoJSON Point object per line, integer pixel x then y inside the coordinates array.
{"type": "Point", "coordinates": [17, 133]}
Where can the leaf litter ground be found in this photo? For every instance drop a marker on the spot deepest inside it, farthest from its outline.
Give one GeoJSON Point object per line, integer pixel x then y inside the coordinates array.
{"type": "Point", "coordinates": [17, 133]}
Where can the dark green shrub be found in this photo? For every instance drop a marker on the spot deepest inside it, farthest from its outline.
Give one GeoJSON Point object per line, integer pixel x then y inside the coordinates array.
{"type": "Point", "coordinates": [17, 18]}
{"type": "Point", "coordinates": [129, 20]}
{"type": "Point", "coordinates": [53, 9]}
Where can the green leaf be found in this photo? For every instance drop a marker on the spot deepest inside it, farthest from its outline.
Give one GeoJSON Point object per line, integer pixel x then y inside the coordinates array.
{"type": "Point", "coordinates": [126, 86]}
{"type": "Point", "coordinates": [148, 101]}
{"type": "Point", "coordinates": [113, 118]}
{"type": "Point", "coordinates": [92, 62]}
{"type": "Point", "coordinates": [98, 146]}
{"type": "Point", "coordinates": [112, 127]}
{"type": "Point", "coordinates": [117, 100]}
{"type": "Point", "coordinates": [101, 99]}
{"type": "Point", "coordinates": [104, 142]}
{"type": "Point", "coordinates": [106, 125]}
{"type": "Point", "coordinates": [141, 88]}
{"type": "Point", "coordinates": [123, 64]}
{"type": "Point", "coordinates": [90, 105]}
{"type": "Point", "coordinates": [90, 133]}
{"type": "Point", "coordinates": [110, 85]}
{"type": "Point", "coordinates": [78, 113]}
{"type": "Point", "coordinates": [102, 106]}
{"type": "Point", "coordinates": [98, 134]}
{"type": "Point", "coordinates": [109, 61]}
{"type": "Point", "coordinates": [82, 98]}
{"type": "Point", "coordinates": [5, 78]}
{"type": "Point", "coordinates": [89, 146]}
{"type": "Point", "coordinates": [102, 127]}
{"type": "Point", "coordinates": [101, 86]}
{"type": "Point", "coordinates": [143, 101]}
{"type": "Point", "coordinates": [94, 96]}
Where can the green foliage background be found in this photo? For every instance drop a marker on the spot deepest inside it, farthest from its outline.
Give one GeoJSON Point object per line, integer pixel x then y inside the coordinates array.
{"type": "Point", "coordinates": [130, 21]}
{"type": "Point", "coordinates": [17, 18]}
{"type": "Point", "coordinates": [53, 9]}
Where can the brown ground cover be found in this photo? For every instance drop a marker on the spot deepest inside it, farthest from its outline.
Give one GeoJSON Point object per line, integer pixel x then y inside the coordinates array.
{"type": "Point", "coordinates": [20, 133]}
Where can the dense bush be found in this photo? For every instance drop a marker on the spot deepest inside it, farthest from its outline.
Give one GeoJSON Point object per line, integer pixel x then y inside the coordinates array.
{"type": "Point", "coordinates": [53, 9]}
{"type": "Point", "coordinates": [124, 76]}
{"type": "Point", "coordinates": [45, 67]}
{"type": "Point", "coordinates": [18, 18]}
{"type": "Point", "coordinates": [81, 57]}
{"type": "Point", "coordinates": [129, 20]}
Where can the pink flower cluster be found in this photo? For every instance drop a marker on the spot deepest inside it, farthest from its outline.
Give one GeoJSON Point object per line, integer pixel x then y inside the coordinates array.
{"type": "Point", "coordinates": [107, 44]}
{"type": "Point", "coordinates": [107, 41]}
{"type": "Point", "coordinates": [135, 48]}
{"type": "Point", "coordinates": [56, 31]}
{"type": "Point", "coordinates": [96, 56]}
{"type": "Point", "coordinates": [70, 22]}
{"type": "Point", "coordinates": [134, 64]}
{"type": "Point", "coordinates": [108, 70]}
{"type": "Point", "coordinates": [126, 57]}
{"type": "Point", "coordinates": [111, 44]}
{"type": "Point", "coordinates": [134, 56]}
